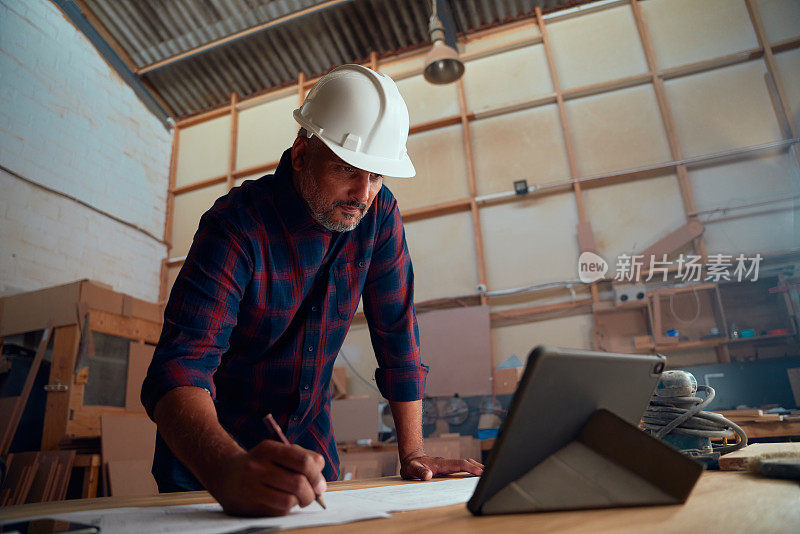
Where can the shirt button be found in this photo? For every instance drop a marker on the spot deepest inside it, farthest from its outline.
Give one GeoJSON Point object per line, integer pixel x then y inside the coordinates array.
{"type": "Point", "coordinates": [306, 387]}
{"type": "Point", "coordinates": [310, 349]}
{"type": "Point", "coordinates": [313, 308]}
{"type": "Point", "coordinates": [362, 263]}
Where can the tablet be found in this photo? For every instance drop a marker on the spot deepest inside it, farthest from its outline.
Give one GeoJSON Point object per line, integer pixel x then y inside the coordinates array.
{"type": "Point", "coordinates": [558, 393]}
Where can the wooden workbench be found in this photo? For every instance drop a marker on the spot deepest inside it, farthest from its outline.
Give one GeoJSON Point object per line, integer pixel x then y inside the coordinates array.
{"type": "Point", "coordinates": [733, 501]}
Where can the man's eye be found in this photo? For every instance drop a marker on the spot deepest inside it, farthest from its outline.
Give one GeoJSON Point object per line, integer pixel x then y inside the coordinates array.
{"type": "Point", "coordinates": [376, 177]}
{"type": "Point", "coordinates": [346, 168]}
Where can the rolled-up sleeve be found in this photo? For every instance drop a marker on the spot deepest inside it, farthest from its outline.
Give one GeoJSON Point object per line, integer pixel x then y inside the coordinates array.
{"type": "Point", "coordinates": [389, 308]}
{"type": "Point", "coordinates": [201, 312]}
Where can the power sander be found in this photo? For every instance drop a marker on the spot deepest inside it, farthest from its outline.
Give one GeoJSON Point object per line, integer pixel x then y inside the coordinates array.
{"type": "Point", "coordinates": [675, 415]}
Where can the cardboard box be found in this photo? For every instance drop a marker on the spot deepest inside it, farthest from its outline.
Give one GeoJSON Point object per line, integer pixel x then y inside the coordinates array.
{"type": "Point", "coordinates": [150, 311]}
{"type": "Point", "coordinates": [30, 311]}
{"type": "Point", "coordinates": [506, 380]}
{"type": "Point", "coordinates": [365, 462]}
{"type": "Point", "coordinates": [354, 419]}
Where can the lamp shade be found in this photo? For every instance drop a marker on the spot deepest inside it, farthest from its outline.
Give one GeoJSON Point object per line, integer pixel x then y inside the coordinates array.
{"type": "Point", "coordinates": [442, 64]}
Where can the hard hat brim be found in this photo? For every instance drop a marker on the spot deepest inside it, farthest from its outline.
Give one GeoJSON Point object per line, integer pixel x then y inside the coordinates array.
{"type": "Point", "coordinates": [397, 168]}
{"type": "Point", "coordinates": [400, 168]}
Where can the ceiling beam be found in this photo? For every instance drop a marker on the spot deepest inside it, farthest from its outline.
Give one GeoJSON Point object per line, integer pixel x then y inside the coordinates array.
{"type": "Point", "coordinates": [239, 35]}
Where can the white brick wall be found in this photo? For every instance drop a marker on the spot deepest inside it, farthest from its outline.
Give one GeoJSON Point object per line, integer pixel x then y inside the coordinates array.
{"type": "Point", "coordinates": [68, 122]}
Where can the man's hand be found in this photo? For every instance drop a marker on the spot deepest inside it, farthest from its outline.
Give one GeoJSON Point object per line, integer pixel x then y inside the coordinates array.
{"type": "Point", "coordinates": [423, 467]}
{"type": "Point", "coordinates": [270, 479]}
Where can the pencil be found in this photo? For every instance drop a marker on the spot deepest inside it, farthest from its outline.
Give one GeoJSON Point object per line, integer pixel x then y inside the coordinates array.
{"type": "Point", "coordinates": [270, 422]}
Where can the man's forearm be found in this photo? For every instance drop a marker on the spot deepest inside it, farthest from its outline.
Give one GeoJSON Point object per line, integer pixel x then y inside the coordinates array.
{"type": "Point", "coordinates": [187, 420]}
{"type": "Point", "coordinates": [408, 423]}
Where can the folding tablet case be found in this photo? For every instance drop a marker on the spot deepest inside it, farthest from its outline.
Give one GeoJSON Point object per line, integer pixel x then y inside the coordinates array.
{"type": "Point", "coordinates": [570, 439]}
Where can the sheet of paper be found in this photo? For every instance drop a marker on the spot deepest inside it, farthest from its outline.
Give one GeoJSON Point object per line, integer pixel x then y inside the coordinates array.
{"type": "Point", "coordinates": [343, 507]}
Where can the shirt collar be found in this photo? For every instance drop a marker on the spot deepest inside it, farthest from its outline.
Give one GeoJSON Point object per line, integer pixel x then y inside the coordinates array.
{"type": "Point", "coordinates": [291, 206]}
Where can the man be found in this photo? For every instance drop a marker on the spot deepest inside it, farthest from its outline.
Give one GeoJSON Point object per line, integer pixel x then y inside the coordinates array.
{"type": "Point", "coordinates": [264, 299]}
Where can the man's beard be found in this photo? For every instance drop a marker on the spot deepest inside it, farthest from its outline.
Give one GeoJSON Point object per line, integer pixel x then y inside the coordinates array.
{"type": "Point", "coordinates": [323, 213]}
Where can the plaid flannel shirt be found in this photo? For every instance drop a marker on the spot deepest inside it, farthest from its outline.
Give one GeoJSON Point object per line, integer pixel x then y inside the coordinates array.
{"type": "Point", "coordinates": [261, 307]}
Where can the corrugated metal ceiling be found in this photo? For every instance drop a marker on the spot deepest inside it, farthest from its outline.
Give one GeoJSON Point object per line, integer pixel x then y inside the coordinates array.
{"type": "Point", "coordinates": [306, 35]}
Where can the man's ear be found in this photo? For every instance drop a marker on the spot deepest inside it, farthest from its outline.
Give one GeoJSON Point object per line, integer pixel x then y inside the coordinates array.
{"type": "Point", "coordinates": [300, 153]}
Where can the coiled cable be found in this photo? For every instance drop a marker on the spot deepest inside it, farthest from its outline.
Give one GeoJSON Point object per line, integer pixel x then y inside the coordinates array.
{"type": "Point", "coordinates": [685, 415]}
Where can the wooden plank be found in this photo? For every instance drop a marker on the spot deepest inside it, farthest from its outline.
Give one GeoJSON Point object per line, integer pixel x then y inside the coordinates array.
{"type": "Point", "coordinates": [131, 477]}
{"type": "Point", "coordinates": [255, 169]}
{"type": "Point", "coordinates": [139, 357]}
{"type": "Point", "coordinates": [461, 204]}
{"type": "Point", "coordinates": [710, 64]}
{"type": "Point", "coordinates": [234, 139]}
{"type": "Point", "coordinates": [199, 185]}
{"type": "Point", "coordinates": [476, 219]}
{"type": "Point", "coordinates": [8, 420]}
{"type": "Point", "coordinates": [741, 459]}
{"type": "Point", "coordinates": [301, 90]}
{"type": "Point", "coordinates": [22, 469]}
{"type": "Point", "coordinates": [129, 327]}
{"type": "Point", "coordinates": [735, 496]}
{"type": "Point", "coordinates": [62, 370]}
{"type": "Point", "coordinates": [604, 87]}
{"type": "Point", "coordinates": [51, 478]}
{"type": "Point", "coordinates": [541, 313]}
{"type": "Point", "coordinates": [90, 463]}
{"type": "Point", "coordinates": [203, 117]}
{"type": "Point", "coordinates": [545, 100]}
{"type": "Point", "coordinates": [674, 240]}
{"type": "Point", "coordinates": [86, 420]}
{"type": "Point", "coordinates": [435, 124]}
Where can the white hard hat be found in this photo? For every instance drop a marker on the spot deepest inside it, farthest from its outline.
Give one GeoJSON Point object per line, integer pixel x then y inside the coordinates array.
{"type": "Point", "coordinates": [359, 114]}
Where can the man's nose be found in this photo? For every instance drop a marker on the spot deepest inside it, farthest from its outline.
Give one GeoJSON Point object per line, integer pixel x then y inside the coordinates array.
{"type": "Point", "coordinates": [360, 189]}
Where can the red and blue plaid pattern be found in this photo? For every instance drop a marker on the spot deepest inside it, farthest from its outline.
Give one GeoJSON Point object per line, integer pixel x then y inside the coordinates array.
{"type": "Point", "coordinates": [262, 304]}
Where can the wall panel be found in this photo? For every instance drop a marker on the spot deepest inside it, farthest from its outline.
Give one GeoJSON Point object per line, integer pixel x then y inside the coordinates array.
{"type": "Point", "coordinates": [527, 31]}
{"type": "Point", "coordinates": [203, 151]}
{"type": "Point", "coordinates": [393, 68]}
{"type": "Point", "coordinates": [523, 145]}
{"type": "Point", "coordinates": [628, 217]}
{"type": "Point", "coordinates": [530, 241]}
{"type": "Point", "coordinates": [781, 18]}
{"type": "Point", "coordinates": [723, 109]}
{"type": "Point", "coordinates": [507, 78]}
{"type": "Point", "coordinates": [617, 130]}
{"type": "Point", "coordinates": [357, 348]}
{"type": "Point", "coordinates": [265, 131]}
{"type": "Point", "coordinates": [596, 47]}
{"type": "Point", "coordinates": [188, 209]}
{"type": "Point", "coordinates": [567, 332]}
{"type": "Point", "coordinates": [427, 102]}
{"type": "Point", "coordinates": [687, 31]}
{"type": "Point", "coordinates": [439, 159]}
{"type": "Point", "coordinates": [443, 253]}
{"type": "Point", "coordinates": [749, 181]}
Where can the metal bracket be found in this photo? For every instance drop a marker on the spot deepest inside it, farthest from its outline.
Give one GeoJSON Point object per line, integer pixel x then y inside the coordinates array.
{"type": "Point", "coordinates": [56, 387]}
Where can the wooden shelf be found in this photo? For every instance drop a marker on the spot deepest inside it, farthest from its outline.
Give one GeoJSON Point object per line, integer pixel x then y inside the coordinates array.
{"type": "Point", "coordinates": [685, 345]}
{"type": "Point", "coordinates": [760, 338]}
{"type": "Point", "coordinates": [610, 307]}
